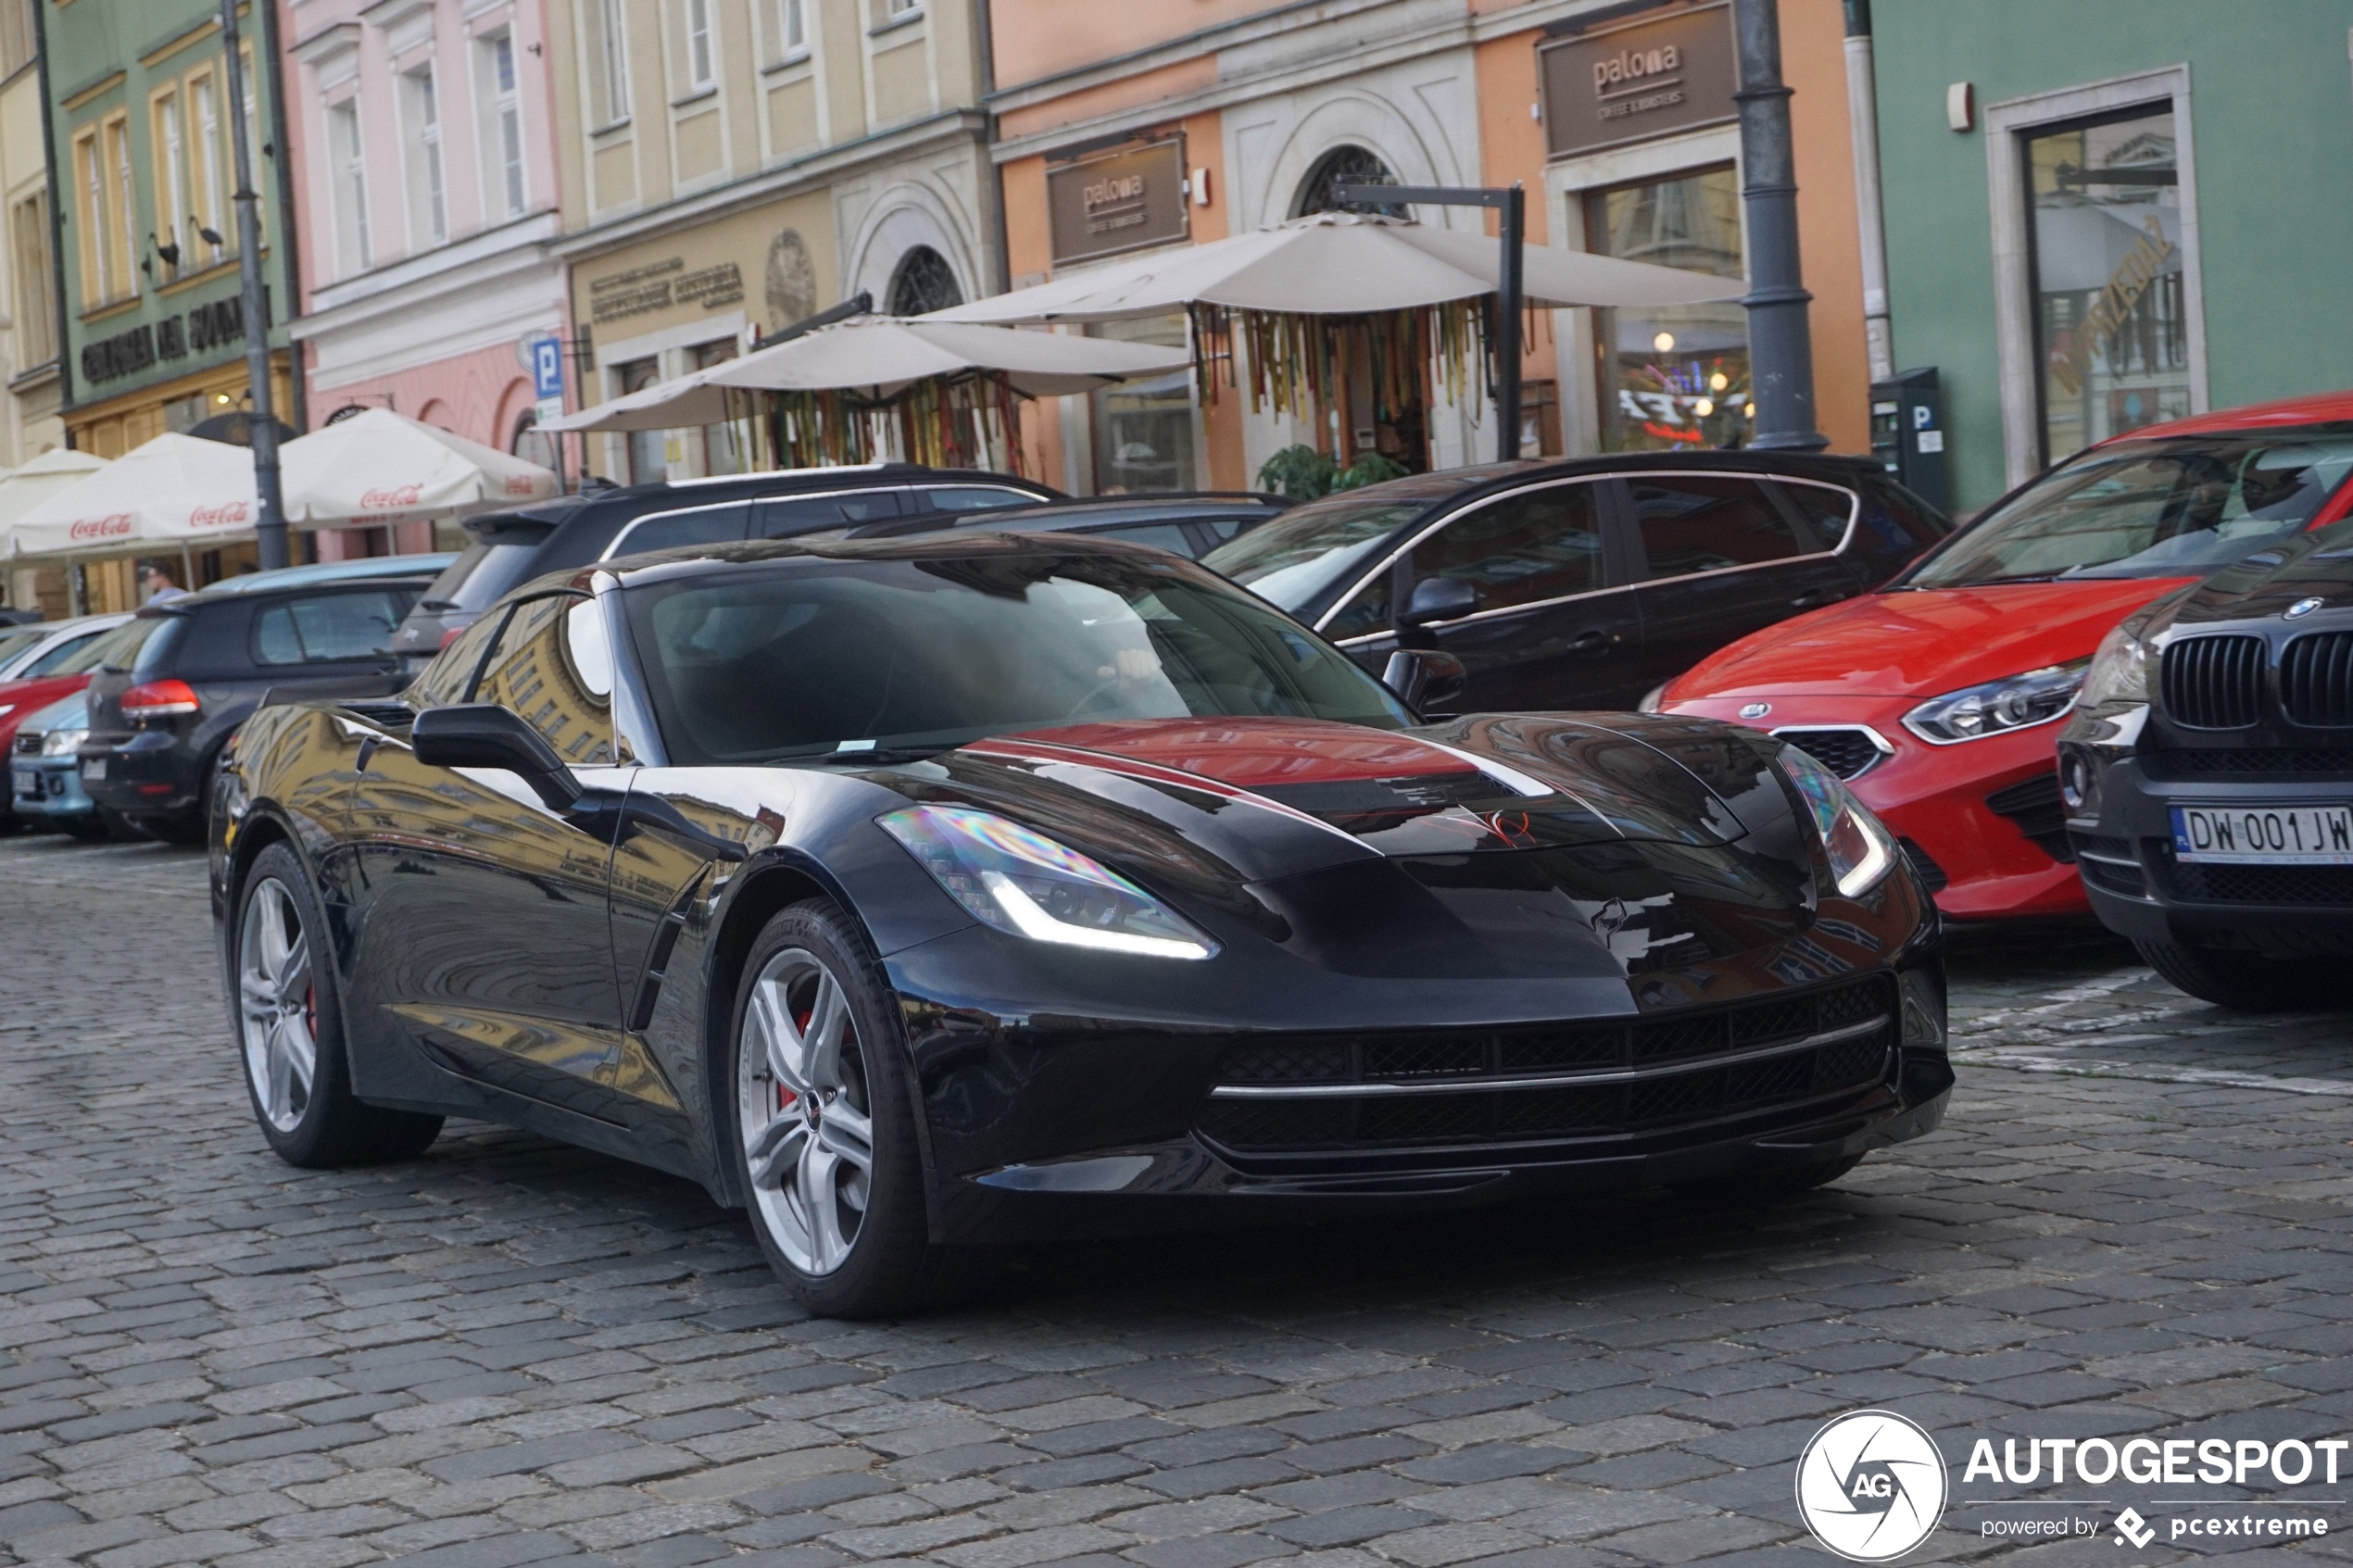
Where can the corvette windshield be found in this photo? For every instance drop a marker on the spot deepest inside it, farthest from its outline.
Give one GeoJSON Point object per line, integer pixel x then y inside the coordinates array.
{"type": "Point", "coordinates": [810, 657]}
{"type": "Point", "coordinates": [2177, 508]}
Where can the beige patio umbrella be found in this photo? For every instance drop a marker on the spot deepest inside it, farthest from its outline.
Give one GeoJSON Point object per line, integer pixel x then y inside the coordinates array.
{"type": "Point", "coordinates": [175, 492]}
{"type": "Point", "coordinates": [380, 468]}
{"type": "Point", "coordinates": [1338, 264]}
{"type": "Point", "coordinates": [25, 488]}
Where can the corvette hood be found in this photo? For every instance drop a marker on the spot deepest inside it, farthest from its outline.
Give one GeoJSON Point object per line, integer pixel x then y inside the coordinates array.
{"type": "Point", "coordinates": [1922, 644]}
{"type": "Point", "coordinates": [1490, 845]}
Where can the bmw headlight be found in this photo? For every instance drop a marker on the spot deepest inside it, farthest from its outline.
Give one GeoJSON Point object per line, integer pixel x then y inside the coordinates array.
{"type": "Point", "coordinates": [2015, 702]}
{"type": "Point", "coordinates": [1860, 849]}
{"type": "Point", "coordinates": [63, 743]}
{"type": "Point", "coordinates": [1026, 884]}
{"type": "Point", "coordinates": [2119, 672]}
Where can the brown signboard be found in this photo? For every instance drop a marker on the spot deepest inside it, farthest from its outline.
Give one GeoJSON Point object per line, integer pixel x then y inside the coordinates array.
{"type": "Point", "coordinates": [1120, 200]}
{"type": "Point", "coordinates": [1632, 83]}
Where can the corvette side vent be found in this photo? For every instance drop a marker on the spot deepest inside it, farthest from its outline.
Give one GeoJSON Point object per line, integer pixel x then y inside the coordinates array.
{"type": "Point", "coordinates": [2315, 680]}
{"type": "Point", "coordinates": [2213, 682]}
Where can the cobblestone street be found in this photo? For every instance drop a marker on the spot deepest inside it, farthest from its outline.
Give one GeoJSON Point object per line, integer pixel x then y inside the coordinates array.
{"type": "Point", "coordinates": [2138, 1219]}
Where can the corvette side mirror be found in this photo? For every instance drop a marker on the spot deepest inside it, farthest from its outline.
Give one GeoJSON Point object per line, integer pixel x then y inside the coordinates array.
{"type": "Point", "coordinates": [1439, 598]}
{"type": "Point", "coordinates": [1424, 676]}
{"type": "Point", "coordinates": [482, 735]}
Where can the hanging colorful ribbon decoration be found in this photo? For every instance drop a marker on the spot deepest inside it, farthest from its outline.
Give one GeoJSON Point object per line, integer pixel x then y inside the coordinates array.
{"type": "Point", "coordinates": [965, 421]}
{"type": "Point", "coordinates": [1296, 360]}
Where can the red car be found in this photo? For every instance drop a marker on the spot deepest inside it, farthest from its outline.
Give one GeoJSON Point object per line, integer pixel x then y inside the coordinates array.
{"type": "Point", "coordinates": [1937, 697]}
{"type": "Point", "coordinates": [38, 670]}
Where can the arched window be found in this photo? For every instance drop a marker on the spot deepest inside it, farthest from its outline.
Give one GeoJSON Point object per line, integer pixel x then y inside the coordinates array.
{"type": "Point", "coordinates": [1343, 165]}
{"type": "Point", "coordinates": [922, 283]}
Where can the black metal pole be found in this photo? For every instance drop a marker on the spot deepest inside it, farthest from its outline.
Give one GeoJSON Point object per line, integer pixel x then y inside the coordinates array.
{"type": "Point", "coordinates": [1508, 305]}
{"type": "Point", "coordinates": [1780, 350]}
{"type": "Point", "coordinates": [270, 525]}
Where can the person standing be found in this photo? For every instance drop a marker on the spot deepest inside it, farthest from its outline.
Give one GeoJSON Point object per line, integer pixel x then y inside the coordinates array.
{"type": "Point", "coordinates": [155, 582]}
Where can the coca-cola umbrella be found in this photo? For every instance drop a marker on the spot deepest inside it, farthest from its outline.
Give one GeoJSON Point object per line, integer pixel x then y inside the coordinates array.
{"type": "Point", "coordinates": [175, 492]}
{"type": "Point", "coordinates": [379, 467]}
{"type": "Point", "coordinates": [25, 488]}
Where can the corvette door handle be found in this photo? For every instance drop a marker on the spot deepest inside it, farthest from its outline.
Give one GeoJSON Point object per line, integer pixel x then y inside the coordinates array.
{"type": "Point", "coordinates": [1592, 642]}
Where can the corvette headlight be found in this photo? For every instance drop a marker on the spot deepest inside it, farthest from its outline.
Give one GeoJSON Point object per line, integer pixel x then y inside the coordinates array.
{"type": "Point", "coordinates": [63, 743]}
{"type": "Point", "coordinates": [1024, 884]}
{"type": "Point", "coordinates": [2015, 702]}
{"type": "Point", "coordinates": [2120, 671]}
{"type": "Point", "coordinates": [1861, 850]}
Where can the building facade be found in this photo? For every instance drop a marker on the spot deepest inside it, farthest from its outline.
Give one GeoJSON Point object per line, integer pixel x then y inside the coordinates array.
{"type": "Point", "coordinates": [1618, 119]}
{"type": "Point", "coordinates": [28, 422]}
{"type": "Point", "coordinates": [731, 166]}
{"type": "Point", "coordinates": [2083, 215]}
{"type": "Point", "coordinates": [423, 157]}
{"type": "Point", "coordinates": [154, 328]}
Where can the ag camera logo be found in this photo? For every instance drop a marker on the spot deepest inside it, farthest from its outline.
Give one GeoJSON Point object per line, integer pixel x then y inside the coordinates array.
{"type": "Point", "coordinates": [1870, 1485]}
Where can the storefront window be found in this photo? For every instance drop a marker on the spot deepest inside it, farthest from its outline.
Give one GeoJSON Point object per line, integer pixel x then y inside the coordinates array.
{"type": "Point", "coordinates": [1144, 428]}
{"type": "Point", "coordinates": [722, 448]}
{"type": "Point", "coordinates": [647, 458]}
{"type": "Point", "coordinates": [2111, 334]}
{"type": "Point", "coordinates": [1672, 376]}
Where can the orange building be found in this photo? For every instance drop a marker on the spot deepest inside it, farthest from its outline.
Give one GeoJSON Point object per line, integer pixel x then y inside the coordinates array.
{"type": "Point", "coordinates": [1162, 122]}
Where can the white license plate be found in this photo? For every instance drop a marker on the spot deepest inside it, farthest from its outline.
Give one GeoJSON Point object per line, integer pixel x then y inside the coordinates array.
{"type": "Point", "coordinates": [95, 768]}
{"type": "Point", "coordinates": [27, 782]}
{"type": "Point", "coordinates": [2264, 835]}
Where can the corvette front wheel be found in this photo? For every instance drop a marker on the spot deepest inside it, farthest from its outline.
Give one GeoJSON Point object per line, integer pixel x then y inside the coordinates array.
{"type": "Point", "coordinates": [826, 1133]}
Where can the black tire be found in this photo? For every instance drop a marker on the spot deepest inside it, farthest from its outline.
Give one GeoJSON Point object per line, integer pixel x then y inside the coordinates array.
{"type": "Point", "coordinates": [184, 827]}
{"type": "Point", "coordinates": [2248, 982]}
{"type": "Point", "coordinates": [323, 1125]}
{"type": "Point", "coordinates": [891, 1265]}
{"type": "Point", "coordinates": [89, 827]}
{"type": "Point", "coordinates": [1771, 1186]}
{"type": "Point", "coordinates": [118, 828]}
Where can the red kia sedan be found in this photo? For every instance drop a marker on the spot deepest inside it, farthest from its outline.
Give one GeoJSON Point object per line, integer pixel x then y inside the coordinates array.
{"type": "Point", "coordinates": [1937, 697]}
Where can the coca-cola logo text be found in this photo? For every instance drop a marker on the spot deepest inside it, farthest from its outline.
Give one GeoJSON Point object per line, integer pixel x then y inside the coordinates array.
{"type": "Point", "coordinates": [89, 528]}
{"type": "Point", "coordinates": [227, 515]}
{"type": "Point", "coordinates": [517, 484]}
{"type": "Point", "coordinates": [393, 499]}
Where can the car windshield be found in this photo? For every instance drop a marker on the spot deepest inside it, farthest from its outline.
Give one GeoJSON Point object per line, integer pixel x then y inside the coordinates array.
{"type": "Point", "coordinates": [2180, 506]}
{"type": "Point", "coordinates": [1304, 557]}
{"type": "Point", "coordinates": [481, 576]}
{"type": "Point", "coordinates": [17, 641]}
{"type": "Point", "coordinates": [69, 655]}
{"type": "Point", "coordinates": [866, 660]}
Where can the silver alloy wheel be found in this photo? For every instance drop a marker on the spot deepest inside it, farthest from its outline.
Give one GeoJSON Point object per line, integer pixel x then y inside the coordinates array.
{"type": "Point", "coordinates": [800, 1093]}
{"type": "Point", "coordinates": [276, 1000]}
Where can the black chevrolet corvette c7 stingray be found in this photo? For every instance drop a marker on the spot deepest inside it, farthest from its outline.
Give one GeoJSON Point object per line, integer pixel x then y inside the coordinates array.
{"type": "Point", "coordinates": [919, 893]}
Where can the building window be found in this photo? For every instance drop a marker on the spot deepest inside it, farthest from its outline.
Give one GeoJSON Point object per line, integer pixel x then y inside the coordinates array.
{"type": "Point", "coordinates": [648, 459]}
{"type": "Point", "coordinates": [794, 26]}
{"type": "Point", "coordinates": [922, 283]}
{"type": "Point", "coordinates": [1672, 376]}
{"type": "Point", "coordinates": [212, 207]}
{"type": "Point", "coordinates": [1343, 165]}
{"type": "Point", "coordinates": [36, 302]}
{"type": "Point", "coordinates": [428, 196]}
{"type": "Point", "coordinates": [722, 451]}
{"type": "Point", "coordinates": [699, 74]}
{"type": "Point", "coordinates": [896, 10]}
{"type": "Point", "coordinates": [613, 58]}
{"type": "Point", "coordinates": [122, 204]}
{"type": "Point", "coordinates": [16, 35]}
{"type": "Point", "coordinates": [2111, 334]}
{"type": "Point", "coordinates": [351, 186]}
{"type": "Point", "coordinates": [1144, 429]}
{"type": "Point", "coordinates": [505, 118]}
{"type": "Point", "coordinates": [90, 194]}
{"type": "Point", "coordinates": [171, 187]}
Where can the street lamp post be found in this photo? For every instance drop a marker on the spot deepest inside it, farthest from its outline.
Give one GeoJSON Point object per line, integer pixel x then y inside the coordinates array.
{"type": "Point", "coordinates": [270, 525]}
{"type": "Point", "coordinates": [1781, 347]}
{"type": "Point", "coordinates": [1512, 203]}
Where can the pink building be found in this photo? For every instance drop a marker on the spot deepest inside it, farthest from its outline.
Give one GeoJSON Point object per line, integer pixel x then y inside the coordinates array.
{"type": "Point", "coordinates": [425, 192]}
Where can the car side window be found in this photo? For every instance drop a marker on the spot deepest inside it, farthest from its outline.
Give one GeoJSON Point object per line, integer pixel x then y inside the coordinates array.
{"type": "Point", "coordinates": [554, 669]}
{"type": "Point", "coordinates": [668, 531]}
{"type": "Point", "coordinates": [48, 662]}
{"type": "Point", "coordinates": [327, 629]}
{"type": "Point", "coordinates": [1709, 522]}
{"type": "Point", "coordinates": [974, 498]}
{"type": "Point", "coordinates": [1827, 509]}
{"type": "Point", "coordinates": [1542, 544]}
{"type": "Point", "coordinates": [785, 516]}
{"type": "Point", "coordinates": [1366, 613]}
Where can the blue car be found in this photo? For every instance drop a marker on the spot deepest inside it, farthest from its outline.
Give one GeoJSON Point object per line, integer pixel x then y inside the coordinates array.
{"type": "Point", "coordinates": [45, 782]}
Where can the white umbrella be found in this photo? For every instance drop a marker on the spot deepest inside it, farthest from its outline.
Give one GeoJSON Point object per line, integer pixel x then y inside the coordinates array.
{"type": "Point", "coordinates": [175, 491]}
{"type": "Point", "coordinates": [1338, 264]}
{"type": "Point", "coordinates": [380, 468]}
{"type": "Point", "coordinates": [27, 487]}
{"type": "Point", "coordinates": [881, 357]}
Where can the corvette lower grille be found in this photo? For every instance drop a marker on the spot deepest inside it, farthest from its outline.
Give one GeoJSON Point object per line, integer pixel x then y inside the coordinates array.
{"type": "Point", "coordinates": [1367, 1092]}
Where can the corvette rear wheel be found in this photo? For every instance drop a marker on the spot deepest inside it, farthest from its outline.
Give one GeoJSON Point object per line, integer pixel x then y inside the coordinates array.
{"type": "Point", "coordinates": [290, 1032]}
{"type": "Point", "coordinates": [827, 1147]}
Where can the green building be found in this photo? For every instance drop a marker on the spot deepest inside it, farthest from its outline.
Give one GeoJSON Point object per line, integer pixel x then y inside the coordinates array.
{"type": "Point", "coordinates": [2104, 213]}
{"type": "Point", "coordinates": [146, 238]}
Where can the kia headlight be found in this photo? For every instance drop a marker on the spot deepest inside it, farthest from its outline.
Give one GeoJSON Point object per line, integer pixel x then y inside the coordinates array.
{"type": "Point", "coordinates": [63, 743]}
{"type": "Point", "coordinates": [1860, 849]}
{"type": "Point", "coordinates": [2015, 702]}
{"type": "Point", "coordinates": [1024, 884]}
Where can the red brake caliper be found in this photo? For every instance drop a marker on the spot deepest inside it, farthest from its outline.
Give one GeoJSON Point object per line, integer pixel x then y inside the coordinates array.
{"type": "Point", "coordinates": [784, 1097]}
